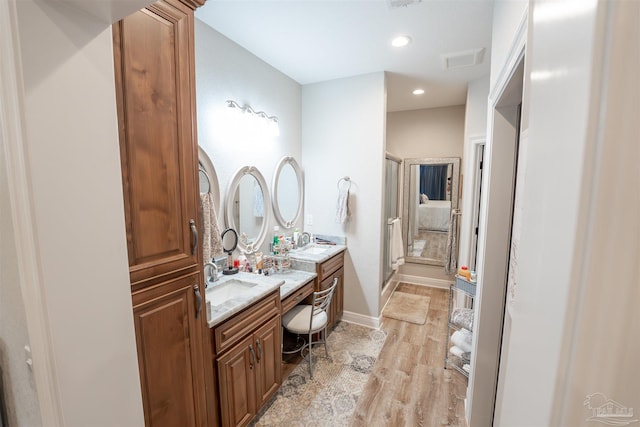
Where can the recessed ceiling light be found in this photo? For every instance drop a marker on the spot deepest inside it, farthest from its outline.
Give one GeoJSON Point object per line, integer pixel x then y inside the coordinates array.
{"type": "Point", "coordinates": [418, 92]}
{"type": "Point", "coordinates": [401, 41]}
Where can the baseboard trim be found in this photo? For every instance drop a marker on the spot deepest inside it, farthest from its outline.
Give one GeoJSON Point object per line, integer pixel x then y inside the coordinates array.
{"type": "Point", "coordinates": [361, 319]}
{"type": "Point", "coordinates": [425, 281]}
{"type": "Point", "coordinates": [391, 286]}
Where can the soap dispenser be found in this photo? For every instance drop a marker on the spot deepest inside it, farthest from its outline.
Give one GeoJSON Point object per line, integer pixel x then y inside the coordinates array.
{"type": "Point", "coordinates": [276, 239]}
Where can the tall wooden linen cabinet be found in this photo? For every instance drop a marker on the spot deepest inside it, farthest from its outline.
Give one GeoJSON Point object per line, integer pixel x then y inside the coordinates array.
{"type": "Point", "coordinates": [155, 92]}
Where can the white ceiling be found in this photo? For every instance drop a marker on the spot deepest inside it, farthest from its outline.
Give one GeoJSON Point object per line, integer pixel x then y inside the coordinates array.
{"type": "Point", "coordinates": [319, 40]}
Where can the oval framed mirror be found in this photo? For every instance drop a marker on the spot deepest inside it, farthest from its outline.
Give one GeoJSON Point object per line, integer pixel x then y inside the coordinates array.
{"type": "Point", "coordinates": [288, 192]}
{"type": "Point", "coordinates": [210, 205]}
{"type": "Point", "coordinates": [248, 207]}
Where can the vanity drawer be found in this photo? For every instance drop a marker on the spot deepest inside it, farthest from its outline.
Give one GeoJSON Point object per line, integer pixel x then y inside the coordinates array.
{"type": "Point", "coordinates": [295, 298]}
{"type": "Point", "coordinates": [239, 326]}
{"type": "Point", "coordinates": [331, 265]}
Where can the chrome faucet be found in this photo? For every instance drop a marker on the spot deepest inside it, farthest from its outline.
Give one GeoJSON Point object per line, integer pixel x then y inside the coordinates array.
{"type": "Point", "coordinates": [214, 272]}
{"type": "Point", "coordinates": [304, 239]}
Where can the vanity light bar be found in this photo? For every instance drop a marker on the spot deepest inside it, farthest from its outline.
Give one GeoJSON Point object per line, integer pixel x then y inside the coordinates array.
{"type": "Point", "coordinates": [247, 108]}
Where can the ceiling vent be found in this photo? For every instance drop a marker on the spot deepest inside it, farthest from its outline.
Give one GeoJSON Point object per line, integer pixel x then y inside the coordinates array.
{"type": "Point", "coordinates": [467, 58]}
{"type": "Point", "coordinates": [395, 4]}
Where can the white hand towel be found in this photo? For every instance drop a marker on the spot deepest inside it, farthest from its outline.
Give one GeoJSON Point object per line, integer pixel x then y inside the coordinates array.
{"type": "Point", "coordinates": [342, 206]}
{"type": "Point", "coordinates": [397, 246]}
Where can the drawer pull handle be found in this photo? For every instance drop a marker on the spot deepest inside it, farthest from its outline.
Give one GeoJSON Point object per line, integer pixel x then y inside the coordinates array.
{"type": "Point", "coordinates": [253, 356]}
{"type": "Point", "coordinates": [194, 235]}
{"type": "Point", "coordinates": [196, 290]}
{"type": "Point", "coordinates": [259, 350]}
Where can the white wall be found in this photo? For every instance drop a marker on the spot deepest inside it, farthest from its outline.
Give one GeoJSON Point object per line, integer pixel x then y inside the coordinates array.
{"type": "Point", "coordinates": [430, 132]}
{"type": "Point", "coordinates": [507, 17]}
{"type": "Point", "coordinates": [76, 192]}
{"type": "Point", "coordinates": [224, 71]}
{"type": "Point", "coordinates": [475, 128]}
{"type": "Point", "coordinates": [343, 135]}
{"type": "Point", "coordinates": [475, 123]}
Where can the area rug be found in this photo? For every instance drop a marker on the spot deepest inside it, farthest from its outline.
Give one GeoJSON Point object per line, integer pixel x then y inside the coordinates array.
{"type": "Point", "coordinates": [435, 244]}
{"type": "Point", "coordinates": [329, 398]}
{"type": "Point", "coordinates": [407, 307]}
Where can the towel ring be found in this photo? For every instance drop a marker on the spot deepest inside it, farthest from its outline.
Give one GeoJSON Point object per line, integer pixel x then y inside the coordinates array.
{"type": "Point", "coordinates": [347, 180]}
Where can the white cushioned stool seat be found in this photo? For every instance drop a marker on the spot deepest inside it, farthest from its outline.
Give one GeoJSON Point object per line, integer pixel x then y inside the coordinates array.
{"type": "Point", "coordinates": [297, 319]}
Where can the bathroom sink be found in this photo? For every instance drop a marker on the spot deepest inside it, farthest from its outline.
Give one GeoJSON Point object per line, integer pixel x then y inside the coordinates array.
{"type": "Point", "coordinates": [230, 289]}
{"type": "Point", "coordinates": [241, 284]}
{"type": "Point", "coordinates": [312, 250]}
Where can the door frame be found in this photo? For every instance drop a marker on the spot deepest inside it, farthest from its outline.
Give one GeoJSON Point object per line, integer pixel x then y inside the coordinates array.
{"type": "Point", "coordinates": [27, 254]}
{"type": "Point", "coordinates": [478, 145]}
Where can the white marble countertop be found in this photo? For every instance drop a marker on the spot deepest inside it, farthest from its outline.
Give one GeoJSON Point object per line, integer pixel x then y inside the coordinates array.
{"type": "Point", "coordinates": [222, 303]}
{"type": "Point", "coordinates": [233, 293]}
{"type": "Point", "coordinates": [293, 280]}
{"type": "Point", "coordinates": [317, 253]}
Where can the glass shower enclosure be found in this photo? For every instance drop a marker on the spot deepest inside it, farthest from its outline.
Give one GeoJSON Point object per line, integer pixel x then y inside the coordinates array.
{"type": "Point", "coordinates": [391, 197]}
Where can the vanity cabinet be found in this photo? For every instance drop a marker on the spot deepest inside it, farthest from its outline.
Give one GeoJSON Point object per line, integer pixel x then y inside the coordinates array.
{"type": "Point", "coordinates": [297, 297]}
{"type": "Point", "coordinates": [155, 96]}
{"type": "Point", "coordinates": [248, 360]}
{"type": "Point", "coordinates": [327, 271]}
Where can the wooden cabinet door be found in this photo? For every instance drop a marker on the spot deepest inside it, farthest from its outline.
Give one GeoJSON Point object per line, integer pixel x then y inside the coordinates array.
{"type": "Point", "coordinates": [268, 373]}
{"type": "Point", "coordinates": [169, 353]}
{"type": "Point", "coordinates": [236, 376]}
{"type": "Point", "coordinates": [154, 69]}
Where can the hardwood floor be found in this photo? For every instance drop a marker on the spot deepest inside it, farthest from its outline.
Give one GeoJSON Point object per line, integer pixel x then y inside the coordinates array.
{"type": "Point", "coordinates": [409, 385]}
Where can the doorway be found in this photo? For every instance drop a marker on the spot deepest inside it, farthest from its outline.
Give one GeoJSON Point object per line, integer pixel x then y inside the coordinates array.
{"type": "Point", "coordinates": [477, 197]}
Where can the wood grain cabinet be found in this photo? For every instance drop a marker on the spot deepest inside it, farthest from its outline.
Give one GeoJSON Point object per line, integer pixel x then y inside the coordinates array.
{"type": "Point", "coordinates": [327, 271]}
{"type": "Point", "coordinates": [155, 93]}
{"type": "Point", "coordinates": [249, 373]}
{"type": "Point", "coordinates": [170, 359]}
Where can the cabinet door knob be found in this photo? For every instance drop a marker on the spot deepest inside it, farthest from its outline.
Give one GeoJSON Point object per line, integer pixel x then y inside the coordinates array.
{"type": "Point", "coordinates": [194, 235]}
{"type": "Point", "coordinates": [196, 291]}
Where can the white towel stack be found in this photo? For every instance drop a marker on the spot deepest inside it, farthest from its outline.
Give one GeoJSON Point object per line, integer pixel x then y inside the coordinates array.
{"type": "Point", "coordinates": [462, 347]}
{"type": "Point", "coordinates": [462, 340]}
